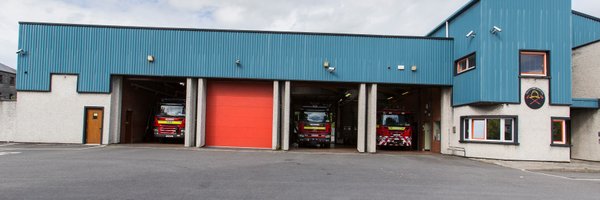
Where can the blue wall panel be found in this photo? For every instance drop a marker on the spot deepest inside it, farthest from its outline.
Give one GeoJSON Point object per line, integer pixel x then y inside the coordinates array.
{"type": "Point", "coordinates": [97, 52]}
{"type": "Point", "coordinates": [526, 25]}
{"type": "Point", "coordinates": [586, 29]}
{"type": "Point", "coordinates": [467, 87]}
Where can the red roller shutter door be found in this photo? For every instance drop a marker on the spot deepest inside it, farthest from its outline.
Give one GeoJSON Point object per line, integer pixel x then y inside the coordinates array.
{"type": "Point", "coordinates": [239, 114]}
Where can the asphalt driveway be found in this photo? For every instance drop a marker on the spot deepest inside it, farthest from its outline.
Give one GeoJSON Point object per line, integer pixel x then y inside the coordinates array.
{"type": "Point", "coordinates": [125, 172]}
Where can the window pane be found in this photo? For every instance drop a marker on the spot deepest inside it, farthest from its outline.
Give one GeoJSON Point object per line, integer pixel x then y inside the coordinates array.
{"type": "Point", "coordinates": [467, 128]}
{"type": "Point", "coordinates": [557, 131]}
{"type": "Point", "coordinates": [462, 65]}
{"type": "Point", "coordinates": [532, 64]}
{"type": "Point", "coordinates": [493, 129]}
{"type": "Point", "coordinates": [472, 62]}
{"type": "Point", "coordinates": [508, 129]}
{"type": "Point", "coordinates": [479, 129]}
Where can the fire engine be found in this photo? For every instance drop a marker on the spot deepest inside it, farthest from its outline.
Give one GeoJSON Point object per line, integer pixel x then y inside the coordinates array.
{"type": "Point", "coordinates": [314, 126]}
{"type": "Point", "coordinates": [394, 128]}
{"type": "Point", "coordinates": [169, 121]}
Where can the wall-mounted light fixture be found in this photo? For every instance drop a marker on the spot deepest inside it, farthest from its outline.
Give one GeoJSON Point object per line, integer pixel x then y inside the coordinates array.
{"type": "Point", "coordinates": [495, 30]}
{"type": "Point", "coordinates": [331, 69]}
{"type": "Point", "coordinates": [471, 34]}
{"type": "Point", "coordinates": [413, 68]}
{"type": "Point", "coordinates": [238, 62]}
{"type": "Point", "coordinates": [21, 52]}
{"type": "Point", "coordinates": [325, 64]}
{"type": "Point", "coordinates": [150, 58]}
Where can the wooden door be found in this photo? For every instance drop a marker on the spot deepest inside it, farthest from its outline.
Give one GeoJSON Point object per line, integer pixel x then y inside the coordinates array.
{"type": "Point", "coordinates": [93, 124]}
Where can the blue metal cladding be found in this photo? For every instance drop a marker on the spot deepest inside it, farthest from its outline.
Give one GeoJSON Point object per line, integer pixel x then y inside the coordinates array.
{"type": "Point", "coordinates": [586, 29]}
{"type": "Point", "coordinates": [97, 52]}
{"type": "Point", "coordinates": [526, 25]}
{"type": "Point", "coordinates": [467, 85]}
{"type": "Point", "coordinates": [585, 103]}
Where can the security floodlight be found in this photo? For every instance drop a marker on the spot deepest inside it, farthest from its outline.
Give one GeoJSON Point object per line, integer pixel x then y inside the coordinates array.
{"type": "Point", "coordinates": [495, 30]}
{"type": "Point", "coordinates": [20, 52]}
{"type": "Point", "coordinates": [330, 69]}
{"type": "Point", "coordinates": [471, 34]}
{"type": "Point", "coordinates": [150, 58]}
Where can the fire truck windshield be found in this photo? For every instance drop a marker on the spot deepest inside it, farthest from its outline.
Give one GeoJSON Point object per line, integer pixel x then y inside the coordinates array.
{"type": "Point", "coordinates": [393, 120]}
{"type": "Point", "coordinates": [316, 117]}
{"type": "Point", "coordinates": [172, 110]}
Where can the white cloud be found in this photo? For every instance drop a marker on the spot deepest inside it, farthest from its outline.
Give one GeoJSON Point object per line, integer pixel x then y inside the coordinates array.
{"type": "Point", "coordinates": [394, 17]}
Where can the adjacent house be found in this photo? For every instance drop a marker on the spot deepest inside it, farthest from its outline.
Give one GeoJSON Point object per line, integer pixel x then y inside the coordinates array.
{"type": "Point", "coordinates": [8, 79]}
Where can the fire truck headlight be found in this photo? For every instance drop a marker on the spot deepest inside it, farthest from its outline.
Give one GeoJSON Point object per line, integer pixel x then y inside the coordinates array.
{"type": "Point", "coordinates": [328, 136]}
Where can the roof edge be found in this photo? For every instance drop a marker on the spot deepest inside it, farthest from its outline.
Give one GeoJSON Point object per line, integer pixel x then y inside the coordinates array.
{"type": "Point", "coordinates": [231, 30]}
{"type": "Point", "coordinates": [586, 44]}
{"type": "Point", "coordinates": [454, 15]}
{"type": "Point", "coordinates": [585, 15]}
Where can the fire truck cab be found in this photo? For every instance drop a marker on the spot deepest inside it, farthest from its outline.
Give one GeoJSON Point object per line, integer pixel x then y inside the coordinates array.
{"type": "Point", "coordinates": [394, 128]}
{"type": "Point", "coordinates": [169, 121]}
{"type": "Point", "coordinates": [314, 126]}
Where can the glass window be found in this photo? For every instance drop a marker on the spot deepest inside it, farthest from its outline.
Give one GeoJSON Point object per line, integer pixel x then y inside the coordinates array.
{"type": "Point", "coordinates": [533, 63]}
{"type": "Point", "coordinates": [12, 80]}
{"type": "Point", "coordinates": [316, 117]}
{"type": "Point", "coordinates": [478, 129]}
{"type": "Point", "coordinates": [508, 130]}
{"type": "Point", "coordinates": [489, 129]}
{"type": "Point", "coordinates": [559, 131]}
{"type": "Point", "coordinates": [466, 64]}
{"type": "Point", "coordinates": [172, 110]}
{"type": "Point", "coordinates": [493, 129]}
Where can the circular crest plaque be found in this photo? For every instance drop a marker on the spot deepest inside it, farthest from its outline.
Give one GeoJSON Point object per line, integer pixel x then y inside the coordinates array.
{"type": "Point", "coordinates": [535, 98]}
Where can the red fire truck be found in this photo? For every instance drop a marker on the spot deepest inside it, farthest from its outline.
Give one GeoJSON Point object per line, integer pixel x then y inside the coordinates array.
{"type": "Point", "coordinates": [314, 126]}
{"type": "Point", "coordinates": [169, 121]}
{"type": "Point", "coordinates": [394, 128]}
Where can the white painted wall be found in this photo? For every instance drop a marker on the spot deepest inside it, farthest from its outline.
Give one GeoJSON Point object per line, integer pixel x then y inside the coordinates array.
{"type": "Point", "coordinates": [586, 69]}
{"type": "Point", "coordinates": [585, 124]}
{"type": "Point", "coordinates": [534, 131]}
{"type": "Point", "coordinates": [7, 120]}
{"type": "Point", "coordinates": [585, 129]}
{"type": "Point", "coordinates": [58, 116]}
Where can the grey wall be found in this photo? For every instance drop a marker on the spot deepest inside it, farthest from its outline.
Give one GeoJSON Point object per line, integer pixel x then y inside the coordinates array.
{"type": "Point", "coordinates": [585, 124]}
{"type": "Point", "coordinates": [7, 89]}
{"type": "Point", "coordinates": [7, 120]}
{"type": "Point", "coordinates": [586, 68]}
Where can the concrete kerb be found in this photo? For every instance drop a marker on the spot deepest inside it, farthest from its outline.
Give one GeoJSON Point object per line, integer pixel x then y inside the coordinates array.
{"type": "Point", "coordinates": [573, 166]}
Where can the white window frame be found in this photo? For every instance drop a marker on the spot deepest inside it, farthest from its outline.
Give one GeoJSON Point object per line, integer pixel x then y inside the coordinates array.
{"type": "Point", "coordinates": [468, 121]}
{"type": "Point", "coordinates": [466, 60]}
{"type": "Point", "coordinates": [563, 130]}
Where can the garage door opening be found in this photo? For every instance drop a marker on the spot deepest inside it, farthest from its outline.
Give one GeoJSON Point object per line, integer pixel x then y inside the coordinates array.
{"type": "Point", "coordinates": [323, 116]}
{"type": "Point", "coordinates": [153, 110]}
{"type": "Point", "coordinates": [408, 118]}
{"type": "Point", "coordinates": [239, 114]}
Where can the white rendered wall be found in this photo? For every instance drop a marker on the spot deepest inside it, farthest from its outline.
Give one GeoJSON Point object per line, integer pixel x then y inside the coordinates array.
{"type": "Point", "coordinates": [585, 128]}
{"type": "Point", "coordinates": [534, 131]}
{"type": "Point", "coordinates": [7, 120]}
{"type": "Point", "coordinates": [58, 116]}
{"type": "Point", "coordinates": [586, 70]}
{"type": "Point", "coordinates": [585, 123]}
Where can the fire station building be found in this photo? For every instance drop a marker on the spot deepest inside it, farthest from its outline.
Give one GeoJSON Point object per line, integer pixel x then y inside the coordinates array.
{"type": "Point", "coordinates": [508, 79]}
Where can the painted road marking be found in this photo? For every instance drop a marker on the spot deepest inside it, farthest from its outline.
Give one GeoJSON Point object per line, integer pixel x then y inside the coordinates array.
{"type": "Point", "coordinates": [9, 153]}
{"type": "Point", "coordinates": [563, 177]}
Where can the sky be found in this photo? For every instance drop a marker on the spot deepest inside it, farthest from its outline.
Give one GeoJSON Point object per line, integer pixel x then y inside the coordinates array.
{"type": "Point", "coordinates": [387, 17]}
